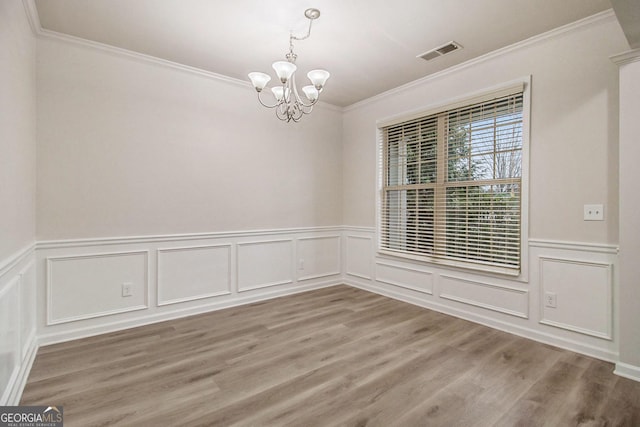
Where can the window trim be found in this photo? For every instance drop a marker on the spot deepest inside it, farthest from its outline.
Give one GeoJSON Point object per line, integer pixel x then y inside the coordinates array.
{"type": "Point", "coordinates": [522, 85]}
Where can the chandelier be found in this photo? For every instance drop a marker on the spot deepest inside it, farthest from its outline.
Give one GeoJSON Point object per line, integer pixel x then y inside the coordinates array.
{"type": "Point", "coordinates": [288, 104]}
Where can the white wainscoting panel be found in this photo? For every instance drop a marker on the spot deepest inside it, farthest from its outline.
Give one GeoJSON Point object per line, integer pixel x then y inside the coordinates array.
{"type": "Point", "coordinates": [18, 343]}
{"type": "Point", "coordinates": [264, 263]}
{"type": "Point", "coordinates": [193, 272]}
{"type": "Point", "coordinates": [318, 257]}
{"type": "Point", "coordinates": [510, 304]}
{"type": "Point", "coordinates": [90, 285]}
{"type": "Point", "coordinates": [190, 274]}
{"type": "Point", "coordinates": [27, 307]}
{"type": "Point", "coordinates": [583, 292]}
{"type": "Point", "coordinates": [10, 343]}
{"type": "Point", "coordinates": [508, 300]}
{"type": "Point", "coordinates": [359, 256]}
{"type": "Point", "coordinates": [404, 276]}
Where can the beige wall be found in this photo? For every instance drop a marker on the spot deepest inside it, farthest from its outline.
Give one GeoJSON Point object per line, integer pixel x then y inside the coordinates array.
{"type": "Point", "coordinates": [130, 148]}
{"type": "Point", "coordinates": [574, 136]}
{"type": "Point", "coordinates": [17, 130]}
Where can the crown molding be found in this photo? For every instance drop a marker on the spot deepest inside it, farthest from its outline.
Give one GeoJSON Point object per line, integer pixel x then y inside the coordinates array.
{"type": "Point", "coordinates": [137, 56]}
{"type": "Point", "coordinates": [34, 21]}
{"type": "Point", "coordinates": [626, 57]}
{"type": "Point", "coordinates": [32, 16]}
{"type": "Point", "coordinates": [556, 32]}
{"type": "Point", "coordinates": [149, 59]}
{"type": "Point", "coordinates": [36, 27]}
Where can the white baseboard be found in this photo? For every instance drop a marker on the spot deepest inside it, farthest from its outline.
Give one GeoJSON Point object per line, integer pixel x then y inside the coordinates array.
{"type": "Point", "coordinates": [16, 387]}
{"type": "Point", "coordinates": [492, 323]}
{"type": "Point", "coordinates": [627, 371]}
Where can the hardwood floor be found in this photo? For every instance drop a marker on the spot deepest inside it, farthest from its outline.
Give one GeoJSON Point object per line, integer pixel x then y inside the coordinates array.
{"type": "Point", "coordinates": [335, 356]}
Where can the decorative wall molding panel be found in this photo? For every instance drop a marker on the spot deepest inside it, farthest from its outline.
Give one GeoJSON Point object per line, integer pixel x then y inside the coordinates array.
{"type": "Point", "coordinates": [359, 256]}
{"type": "Point", "coordinates": [197, 273]}
{"type": "Point", "coordinates": [10, 345]}
{"type": "Point", "coordinates": [27, 277]}
{"type": "Point", "coordinates": [412, 278]}
{"type": "Point", "coordinates": [501, 302]}
{"type": "Point", "coordinates": [193, 272]}
{"type": "Point", "coordinates": [85, 286]}
{"type": "Point", "coordinates": [318, 257]}
{"type": "Point", "coordinates": [582, 292]}
{"type": "Point", "coordinates": [508, 300]}
{"type": "Point", "coordinates": [186, 274]}
{"type": "Point", "coordinates": [265, 263]}
{"type": "Point", "coordinates": [18, 344]}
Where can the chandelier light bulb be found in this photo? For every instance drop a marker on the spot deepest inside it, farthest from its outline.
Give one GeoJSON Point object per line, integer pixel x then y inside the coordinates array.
{"type": "Point", "coordinates": [318, 78]}
{"type": "Point", "coordinates": [310, 92]}
{"type": "Point", "coordinates": [284, 70]}
{"type": "Point", "coordinates": [280, 93]}
{"type": "Point", "coordinates": [259, 80]}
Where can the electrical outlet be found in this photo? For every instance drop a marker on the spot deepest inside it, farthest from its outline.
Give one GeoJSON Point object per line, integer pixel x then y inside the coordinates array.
{"type": "Point", "coordinates": [301, 264]}
{"type": "Point", "coordinates": [593, 212]}
{"type": "Point", "coordinates": [127, 289]}
{"type": "Point", "coordinates": [550, 300]}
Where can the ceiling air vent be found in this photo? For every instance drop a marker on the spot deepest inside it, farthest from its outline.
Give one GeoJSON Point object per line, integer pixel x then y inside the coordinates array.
{"type": "Point", "coordinates": [439, 51]}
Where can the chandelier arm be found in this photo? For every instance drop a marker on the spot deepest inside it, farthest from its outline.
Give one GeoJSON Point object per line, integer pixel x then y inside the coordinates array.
{"type": "Point", "coordinates": [298, 98]}
{"type": "Point", "coordinates": [308, 105]}
{"type": "Point", "coordinates": [307, 109]}
{"type": "Point", "coordinates": [266, 105]}
{"type": "Point", "coordinates": [282, 112]}
{"type": "Point", "coordinates": [296, 113]}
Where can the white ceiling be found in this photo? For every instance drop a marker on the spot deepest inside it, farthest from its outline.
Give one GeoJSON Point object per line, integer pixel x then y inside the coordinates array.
{"type": "Point", "coordinates": [369, 46]}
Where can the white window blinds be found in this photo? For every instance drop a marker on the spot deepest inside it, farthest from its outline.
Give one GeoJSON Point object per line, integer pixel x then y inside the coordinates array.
{"type": "Point", "coordinates": [451, 185]}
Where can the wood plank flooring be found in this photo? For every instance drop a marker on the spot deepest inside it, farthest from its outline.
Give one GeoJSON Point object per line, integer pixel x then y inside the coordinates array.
{"type": "Point", "coordinates": [335, 356]}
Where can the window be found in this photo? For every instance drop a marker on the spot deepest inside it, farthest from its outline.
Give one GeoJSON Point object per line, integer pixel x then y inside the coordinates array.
{"type": "Point", "coordinates": [451, 184]}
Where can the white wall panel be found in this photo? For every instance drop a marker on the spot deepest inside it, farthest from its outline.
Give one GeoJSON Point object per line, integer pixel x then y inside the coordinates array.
{"type": "Point", "coordinates": [404, 276]}
{"type": "Point", "coordinates": [318, 257]}
{"type": "Point", "coordinates": [86, 286]}
{"type": "Point", "coordinates": [191, 274]}
{"type": "Point", "coordinates": [263, 264]}
{"type": "Point", "coordinates": [195, 272]}
{"type": "Point", "coordinates": [583, 295]}
{"type": "Point", "coordinates": [27, 306]}
{"type": "Point", "coordinates": [359, 256]}
{"type": "Point", "coordinates": [503, 299]}
{"type": "Point", "coordinates": [10, 352]}
{"type": "Point", "coordinates": [629, 176]}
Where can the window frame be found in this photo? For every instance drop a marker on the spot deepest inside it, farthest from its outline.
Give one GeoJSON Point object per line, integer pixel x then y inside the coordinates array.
{"type": "Point", "coordinates": [519, 85]}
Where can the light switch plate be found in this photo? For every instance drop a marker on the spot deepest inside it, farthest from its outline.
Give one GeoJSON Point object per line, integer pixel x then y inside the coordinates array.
{"type": "Point", "coordinates": [594, 212]}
